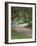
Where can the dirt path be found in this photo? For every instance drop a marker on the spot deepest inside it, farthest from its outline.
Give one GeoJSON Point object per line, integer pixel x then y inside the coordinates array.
{"type": "Point", "coordinates": [24, 30]}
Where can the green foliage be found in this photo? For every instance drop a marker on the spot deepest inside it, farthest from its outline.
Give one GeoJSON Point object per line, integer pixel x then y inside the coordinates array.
{"type": "Point", "coordinates": [21, 15]}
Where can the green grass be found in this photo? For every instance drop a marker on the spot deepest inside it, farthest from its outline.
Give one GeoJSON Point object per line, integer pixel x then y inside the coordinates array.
{"type": "Point", "coordinates": [16, 35]}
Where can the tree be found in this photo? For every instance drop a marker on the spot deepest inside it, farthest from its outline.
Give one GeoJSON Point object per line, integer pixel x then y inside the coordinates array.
{"type": "Point", "coordinates": [21, 15]}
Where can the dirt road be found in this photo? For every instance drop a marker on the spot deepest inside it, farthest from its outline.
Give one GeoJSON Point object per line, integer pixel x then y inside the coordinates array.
{"type": "Point", "coordinates": [23, 30]}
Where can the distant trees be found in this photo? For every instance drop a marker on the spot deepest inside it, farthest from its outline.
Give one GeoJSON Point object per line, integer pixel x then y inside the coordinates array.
{"type": "Point", "coordinates": [21, 15]}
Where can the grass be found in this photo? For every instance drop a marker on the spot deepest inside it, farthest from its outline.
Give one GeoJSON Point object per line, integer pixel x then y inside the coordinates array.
{"type": "Point", "coordinates": [16, 35]}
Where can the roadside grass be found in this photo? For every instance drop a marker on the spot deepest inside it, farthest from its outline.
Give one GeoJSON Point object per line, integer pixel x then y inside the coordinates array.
{"type": "Point", "coordinates": [17, 35]}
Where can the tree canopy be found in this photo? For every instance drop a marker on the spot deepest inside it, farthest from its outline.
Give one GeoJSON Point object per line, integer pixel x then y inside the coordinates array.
{"type": "Point", "coordinates": [21, 15]}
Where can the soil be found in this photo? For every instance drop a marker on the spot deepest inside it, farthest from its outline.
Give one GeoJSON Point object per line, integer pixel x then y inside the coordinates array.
{"type": "Point", "coordinates": [27, 30]}
{"type": "Point", "coordinates": [24, 30]}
